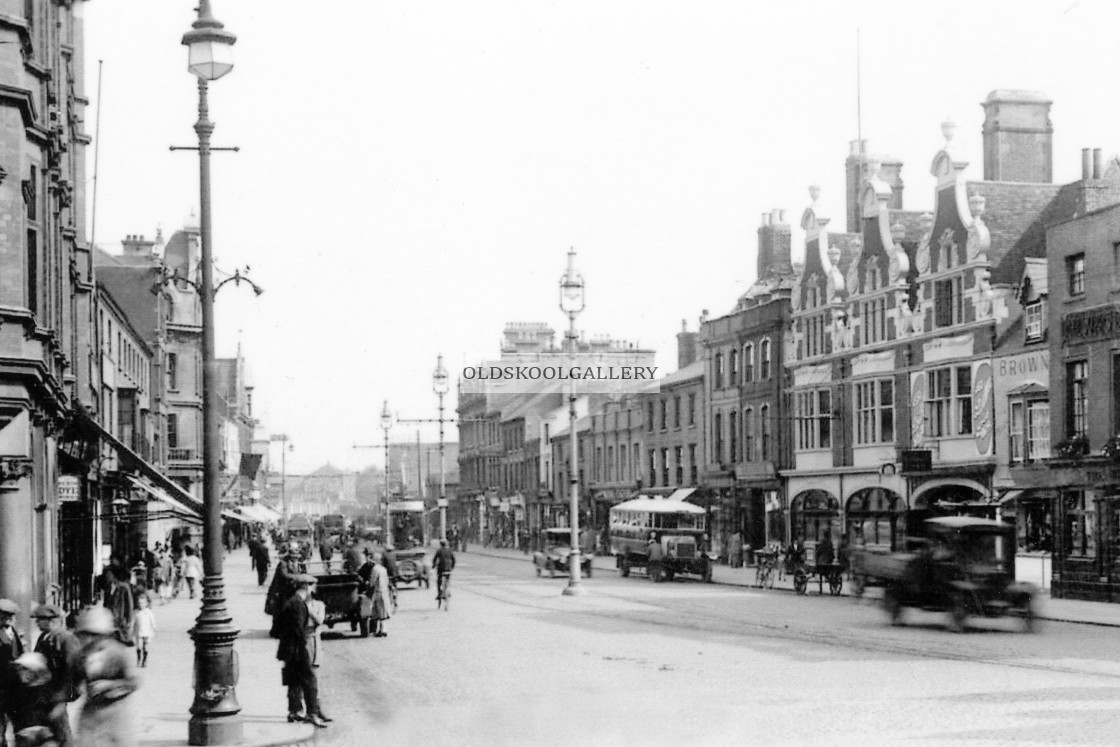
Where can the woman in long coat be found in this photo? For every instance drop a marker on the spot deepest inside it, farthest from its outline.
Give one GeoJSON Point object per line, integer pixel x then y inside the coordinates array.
{"type": "Point", "coordinates": [379, 581]}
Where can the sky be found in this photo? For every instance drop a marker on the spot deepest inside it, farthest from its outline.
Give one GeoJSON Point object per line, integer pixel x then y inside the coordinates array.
{"type": "Point", "coordinates": [411, 175]}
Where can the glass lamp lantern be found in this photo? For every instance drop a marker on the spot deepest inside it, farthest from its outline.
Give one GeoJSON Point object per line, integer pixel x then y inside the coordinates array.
{"type": "Point", "coordinates": [440, 379]}
{"type": "Point", "coordinates": [571, 288]}
{"type": "Point", "coordinates": [210, 46]}
{"type": "Point", "coordinates": [386, 416]}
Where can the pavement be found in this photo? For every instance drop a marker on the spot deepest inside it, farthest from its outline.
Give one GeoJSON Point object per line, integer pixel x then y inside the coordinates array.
{"type": "Point", "coordinates": [165, 694]}
{"type": "Point", "coordinates": [1049, 608]}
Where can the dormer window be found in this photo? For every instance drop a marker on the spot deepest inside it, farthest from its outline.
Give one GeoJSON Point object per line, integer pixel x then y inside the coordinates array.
{"type": "Point", "coordinates": [1035, 314]}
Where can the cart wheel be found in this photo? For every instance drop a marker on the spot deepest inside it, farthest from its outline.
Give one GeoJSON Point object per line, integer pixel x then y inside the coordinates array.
{"type": "Point", "coordinates": [893, 605]}
{"type": "Point", "coordinates": [958, 614]}
{"type": "Point", "coordinates": [800, 581]}
{"type": "Point", "coordinates": [858, 585]}
{"type": "Point", "coordinates": [835, 584]}
{"type": "Point", "coordinates": [624, 566]}
{"type": "Point", "coordinates": [363, 627]}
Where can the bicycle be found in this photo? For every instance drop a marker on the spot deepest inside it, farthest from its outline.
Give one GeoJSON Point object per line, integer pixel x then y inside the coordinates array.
{"type": "Point", "coordinates": [443, 592]}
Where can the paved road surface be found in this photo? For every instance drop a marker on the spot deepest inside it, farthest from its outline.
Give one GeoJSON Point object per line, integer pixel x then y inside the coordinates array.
{"type": "Point", "coordinates": [633, 663]}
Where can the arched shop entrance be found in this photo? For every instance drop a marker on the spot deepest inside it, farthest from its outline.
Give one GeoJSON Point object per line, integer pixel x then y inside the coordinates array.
{"type": "Point", "coordinates": [812, 515]}
{"type": "Point", "coordinates": [947, 499]}
{"type": "Point", "coordinates": [875, 519]}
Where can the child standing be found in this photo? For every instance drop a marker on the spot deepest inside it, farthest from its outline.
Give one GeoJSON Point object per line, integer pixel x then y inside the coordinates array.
{"type": "Point", "coordinates": [144, 628]}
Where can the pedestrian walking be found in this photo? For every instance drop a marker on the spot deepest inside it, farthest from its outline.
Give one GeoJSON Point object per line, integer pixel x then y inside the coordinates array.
{"type": "Point", "coordinates": [105, 667]}
{"type": "Point", "coordinates": [167, 573]}
{"type": "Point", "coordinates": [382, 599]}
{"type": "Point", "coordinates": [326, 550]}
{"type": "Point", "coordinates": [59, 648]}
{"type": "Point", "coordinates": [298, 675]}
{"type": "Point", "coordinates": [735, 549]}
{"type": "Point", "coordinates": [11, 648]}
{"type": "Point", "coordinates": [281, 588]}
{"type": "Point", "coordinates": [263, 561]}
{"type": "Point", "coordinates": [143, 630]}
{"type": "Point", "coordinates": [192, 568]}
{"type": "Point", "coordinates": [316, 614]}
{"type": "Point", "coordinates": [655, 553]}
{"type": "Point", "coordinates": [121, 604]}
{"type": "Point", "coordinates": [254, 546]}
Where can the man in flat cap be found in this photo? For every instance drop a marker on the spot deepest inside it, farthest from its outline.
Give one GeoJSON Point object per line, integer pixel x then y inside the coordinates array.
{"type": "Point", "coordinates": [11, 648]}
{"type": "Point", "coordinates": [60, 647]}
{"type": "Point", "coordinates": [298, 674]}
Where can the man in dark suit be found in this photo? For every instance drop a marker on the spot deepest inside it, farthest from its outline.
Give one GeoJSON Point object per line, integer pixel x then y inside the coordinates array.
{"type": "Point", "coordinates": [60, 648]}
{"type": "Point", "coordinates": [11, 648]}
{"type": "Point", "coordinates": [298, 674]}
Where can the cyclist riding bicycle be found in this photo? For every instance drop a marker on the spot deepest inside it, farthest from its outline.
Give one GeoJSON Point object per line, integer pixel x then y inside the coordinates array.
{"type": "Point", "coordinates": [443, 563]}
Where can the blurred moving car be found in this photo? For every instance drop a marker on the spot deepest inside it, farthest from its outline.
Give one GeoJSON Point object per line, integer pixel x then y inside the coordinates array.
{"type": "Point", "coordinates": [557, 548]}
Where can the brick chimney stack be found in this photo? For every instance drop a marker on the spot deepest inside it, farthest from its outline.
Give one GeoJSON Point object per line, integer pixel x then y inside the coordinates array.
{"type": "Point", "coordinates": [775, 246]}
{"type": "Point", "coordinates": [1018, 137]}
{"type": "Point", "coordinates": [686, 345]}
{"type": "Point", "coordinates": [137, 246]}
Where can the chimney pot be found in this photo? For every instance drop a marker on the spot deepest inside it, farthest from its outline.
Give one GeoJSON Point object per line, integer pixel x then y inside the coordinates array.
{"type": "Point", "coordinates": [782, 215]}
{"type": "Point", "coordinates": [1086, 164]}
{"type": "Point", "coordinates": [1096, 163]}
{"type": "Point", "coordinates": [766, 219]}
{"type": "Point", "coordinates": [775, 217]}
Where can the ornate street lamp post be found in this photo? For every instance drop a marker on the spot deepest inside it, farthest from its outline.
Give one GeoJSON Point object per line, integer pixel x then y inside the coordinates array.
{"type": "Point", "coordinates": [215, 712]}
{"type": "Point", "coordinates": [571, 303]}
{"type": "Point", "coordinates": [386, 424]}
{"type": "Point", "coordinates": [440, 386]}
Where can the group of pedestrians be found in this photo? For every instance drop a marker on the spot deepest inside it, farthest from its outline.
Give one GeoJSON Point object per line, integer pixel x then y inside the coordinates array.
{"type": "Point", "coordinates": [38, 682]}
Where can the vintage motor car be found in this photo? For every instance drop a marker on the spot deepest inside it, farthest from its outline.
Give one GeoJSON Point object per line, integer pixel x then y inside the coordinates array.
{"type": "Point", "coordinates": [964, 567]}
{"type": "Point", "coordinates": [554, 558]}
{"type": "Point", "coordinates": [344, 602]}
{"type": "Point", "coordinates": [412, 566]}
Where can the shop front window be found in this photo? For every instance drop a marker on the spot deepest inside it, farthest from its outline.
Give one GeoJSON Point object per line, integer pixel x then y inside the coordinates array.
{"type": "Point", "coordinates": [1079, 537]}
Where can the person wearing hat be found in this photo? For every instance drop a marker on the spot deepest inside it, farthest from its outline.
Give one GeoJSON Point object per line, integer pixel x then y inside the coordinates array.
{"type": "Point", "coordinates": [298, 674]}
{"type": "Point", "coordinates": [59, 648]}
{"type": "Point", "coordinates": [105, 666]}
{"type": "Point", "coordinates": [11, 648]}
{"type": "Point", "coordinates": [282, 586]}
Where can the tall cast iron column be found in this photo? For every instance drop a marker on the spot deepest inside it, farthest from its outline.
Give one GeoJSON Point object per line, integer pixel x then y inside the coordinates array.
{"type": "Point", "coordinates": [215, 712]}
{"type": "Point", "coordinates": [571, 303]}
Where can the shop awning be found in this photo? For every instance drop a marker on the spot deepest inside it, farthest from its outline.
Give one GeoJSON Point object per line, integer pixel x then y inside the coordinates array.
{"type": "Point", "coordinates": [1010, 495]}
{"type": "Point", "coordinates": [151, 475]}
{"type": "Point", "coordinates": [175, 504]}
{"type": "Point", "coordinates": [227, 514]}
{"type": "Point", "coordinates": [257, 513]}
